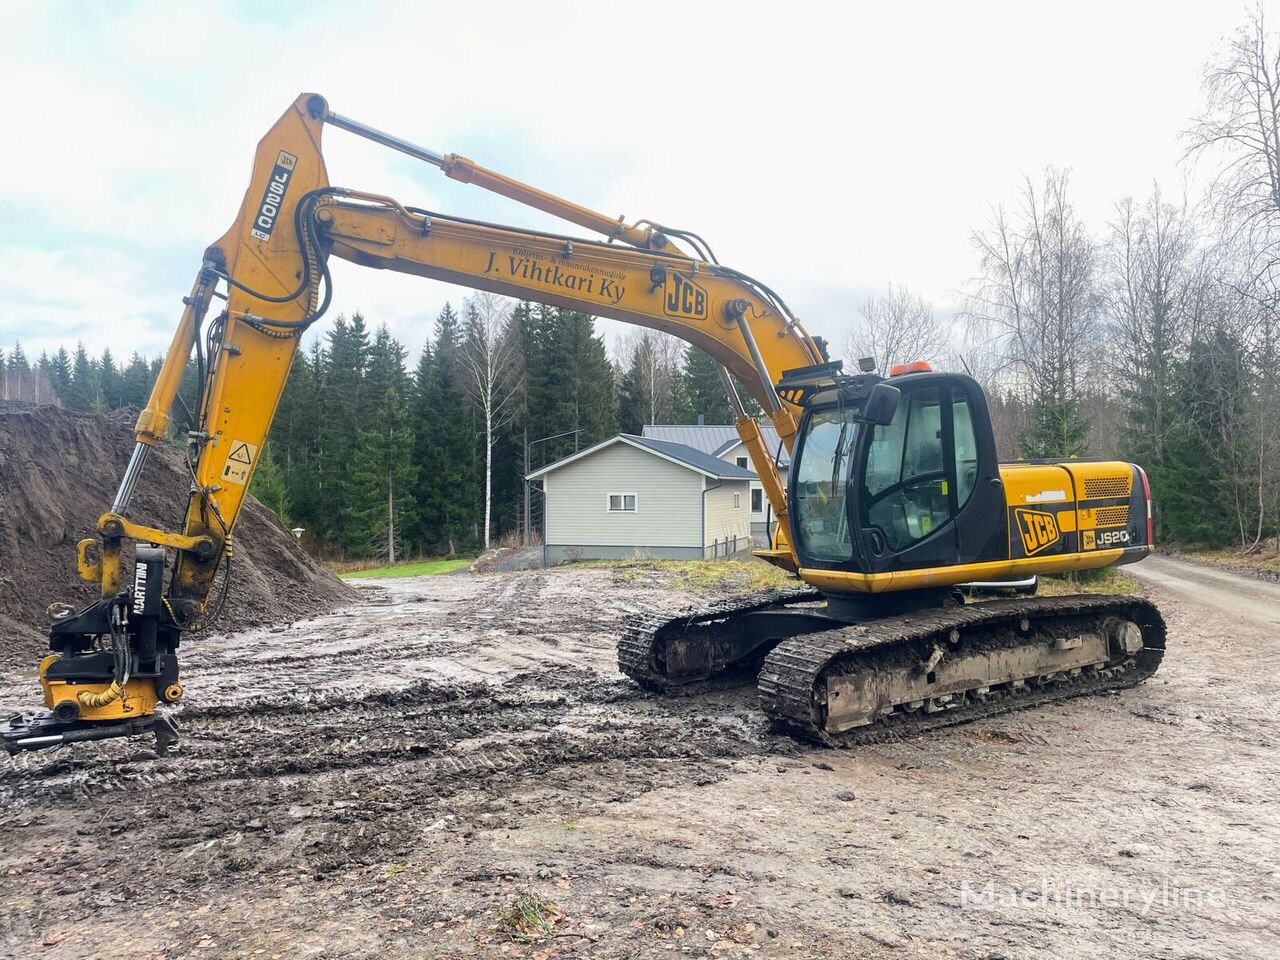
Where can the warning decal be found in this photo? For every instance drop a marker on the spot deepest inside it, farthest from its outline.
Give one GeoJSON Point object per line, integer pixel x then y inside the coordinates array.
{"type": "Point", "coordinates": [239, 462]}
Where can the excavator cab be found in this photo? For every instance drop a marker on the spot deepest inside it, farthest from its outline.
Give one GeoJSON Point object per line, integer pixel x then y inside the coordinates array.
{"type": "Point", "coordinates": [896, 474]}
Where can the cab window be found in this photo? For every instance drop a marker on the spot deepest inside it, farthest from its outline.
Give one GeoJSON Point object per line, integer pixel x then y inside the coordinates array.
{"type": "Point", "coordinates": [966, 445]}
{"type": "Point", "coordinates": [821, 483]}
{"type": "Point", "coordinates": [906, 493]}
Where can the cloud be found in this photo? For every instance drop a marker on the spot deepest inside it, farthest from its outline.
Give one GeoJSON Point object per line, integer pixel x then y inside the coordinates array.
{"type": "Point", "coordinates": [827, 149]}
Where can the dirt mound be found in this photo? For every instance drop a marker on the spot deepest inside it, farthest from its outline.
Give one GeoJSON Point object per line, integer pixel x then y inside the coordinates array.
{"type": "Point", "coordinates": [59, 472]}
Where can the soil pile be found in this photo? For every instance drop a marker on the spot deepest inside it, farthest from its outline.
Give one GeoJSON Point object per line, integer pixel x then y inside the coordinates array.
{"type": "Point", "coordinates": [59, 472]}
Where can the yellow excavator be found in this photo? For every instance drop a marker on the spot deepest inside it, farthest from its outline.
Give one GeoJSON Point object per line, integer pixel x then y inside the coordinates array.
{"type": "Point", "coordinates": [895, 496]}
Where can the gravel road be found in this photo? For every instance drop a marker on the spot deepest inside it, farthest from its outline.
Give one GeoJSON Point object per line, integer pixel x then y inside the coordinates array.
{"type": "Point", "coordinates": [394, 779]}
{"type": "Point", "coordinates": [1220, 592]}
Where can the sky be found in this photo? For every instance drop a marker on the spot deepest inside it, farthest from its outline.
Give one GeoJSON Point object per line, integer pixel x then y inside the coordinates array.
{"type": "Point", "coordinates": [827, 149]}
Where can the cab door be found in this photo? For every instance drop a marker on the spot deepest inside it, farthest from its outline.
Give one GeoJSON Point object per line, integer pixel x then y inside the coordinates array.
{"type": "Point", "coordinates": [928, 494]}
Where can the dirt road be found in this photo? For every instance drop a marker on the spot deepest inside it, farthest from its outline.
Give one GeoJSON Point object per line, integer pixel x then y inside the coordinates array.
{"type": "Point", "coordinates": [393, 779]}
{"type": "Point", "coordinates": [1255, 602]}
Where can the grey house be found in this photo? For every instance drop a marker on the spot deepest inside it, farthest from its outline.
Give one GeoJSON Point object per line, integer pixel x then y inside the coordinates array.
{"type": "Point", "coordinates": [722, 441]}
{"type": "Point", "coordinates": [631, 496]}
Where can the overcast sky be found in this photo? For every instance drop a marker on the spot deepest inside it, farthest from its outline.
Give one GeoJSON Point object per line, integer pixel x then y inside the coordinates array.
{"type": "Point", "coordinates": [828, 149]}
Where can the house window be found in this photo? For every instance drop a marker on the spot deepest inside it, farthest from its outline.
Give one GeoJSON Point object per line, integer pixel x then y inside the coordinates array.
{"type": "Point", "coordinates": [757, 501]}
{"type": "Point", "coordinates": [742, 461]}
{"type": "Point", "coordinates": [737, 501]}
{"type": "Point", "coordinates": [622, 503]}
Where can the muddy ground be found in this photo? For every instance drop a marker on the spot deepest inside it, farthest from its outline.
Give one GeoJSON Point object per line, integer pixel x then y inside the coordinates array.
{"type": "Point", "coordinates": [391, 779]}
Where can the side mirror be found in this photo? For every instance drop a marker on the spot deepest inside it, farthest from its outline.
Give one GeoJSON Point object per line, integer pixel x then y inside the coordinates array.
{"type": "Point", "coordinates": [881, 405]}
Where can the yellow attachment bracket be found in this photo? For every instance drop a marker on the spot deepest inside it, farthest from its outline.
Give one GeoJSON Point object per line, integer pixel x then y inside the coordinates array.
{"type": "Point", "coordinates": [115, 526]}
{"type": "Point", "coordinates": [89, 560]}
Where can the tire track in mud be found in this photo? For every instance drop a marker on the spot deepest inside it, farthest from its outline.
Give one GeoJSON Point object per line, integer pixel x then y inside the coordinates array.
{"type": "Point", "coordinates": [585, 720]}
{"type": "Point", "coordinates": [356, 737]}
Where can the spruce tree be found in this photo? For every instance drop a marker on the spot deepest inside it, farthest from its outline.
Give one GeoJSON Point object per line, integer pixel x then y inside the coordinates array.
{"type": "Point", "coordinates": [422, 420]}
{"type": "Point", "coordinates": [60, 375]}
{"type": "Point", "coordinates": [294, 442]}
{"type": "Point", "coordinates": [1057, 428]}
{"type": "Point", "coordinates": [269, 486]}
{"type": "Point", "coordinates": [386, 366]}
{"type": "Point", "coordinates": [345, 410]}
{"type": "Point", "coordinates": [635, 400]}
{"type": "Point", "coordinates": [703, 392]}
{"type": "Point", "coordinates": [453, 504]}
{"type": "Point", "coordinates": [109, 384]}
{"type": "Point", "coordinates": [84, 383]}
{"type": "Point", "coordinates": [20, 380]}
{"type": "Point", "coordinates": [381, 482]}
{"type": "Point", "coordinates": [509, 450]}
{"type": "Point", "coordinates": [135, 387]}
{"type": "Point", "coordinates": [595, 413]}
{"type": "Point", "coordinates": [1193, 492]}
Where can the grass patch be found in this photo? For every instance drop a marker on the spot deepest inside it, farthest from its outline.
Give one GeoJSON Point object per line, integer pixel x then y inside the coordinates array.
{"type": "Point", "coordinates": [420, 568]}
{"type": "Point", "coordinates": [1105, 580]}
{"type": "Point", "coordinates": [530, 917]}
{"type": "Point", "coordinates": [748, 576]}
{"type": "Point", "coordinates": [702, 576]}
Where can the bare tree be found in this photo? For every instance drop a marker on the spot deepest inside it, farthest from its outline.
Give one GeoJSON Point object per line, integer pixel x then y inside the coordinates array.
{"type": "Point", "coordinates": [491, 357]}
{"type": "Point", "coordinates": [1239, 133]}
{"type": "Point", "coordinates": [1151, 276]}
{"type": "Point", "coordinates": [896, 327]}
{"type": "Point", "coordinates": [1037, 301]}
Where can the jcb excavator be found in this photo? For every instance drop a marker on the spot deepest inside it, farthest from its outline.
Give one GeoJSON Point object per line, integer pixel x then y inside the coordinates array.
{"type": "Point", "coordinates": [895, 495]}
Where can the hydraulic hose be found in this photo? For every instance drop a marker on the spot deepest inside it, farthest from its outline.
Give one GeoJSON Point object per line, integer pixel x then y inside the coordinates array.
{"type": "Point", "coordinates": [109, 695]}
{"type": "Point", "coordinates": [120, 654]}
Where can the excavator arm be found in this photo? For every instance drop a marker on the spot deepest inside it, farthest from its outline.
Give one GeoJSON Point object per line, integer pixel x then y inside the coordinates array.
{"type": "Point", "coordinates": [271, 269]}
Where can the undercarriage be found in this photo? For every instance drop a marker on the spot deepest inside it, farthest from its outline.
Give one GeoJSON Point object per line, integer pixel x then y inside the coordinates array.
{"type": "Point", "coordinates": [839, 674]}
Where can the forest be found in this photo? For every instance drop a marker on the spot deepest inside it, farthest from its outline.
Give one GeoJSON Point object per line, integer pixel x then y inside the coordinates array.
{"type": "Point", "coordinates": [1151, 336]}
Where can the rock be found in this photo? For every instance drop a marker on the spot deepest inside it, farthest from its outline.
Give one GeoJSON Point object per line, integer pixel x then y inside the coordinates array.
{"type": "Point", "coordinates": [845, 795]}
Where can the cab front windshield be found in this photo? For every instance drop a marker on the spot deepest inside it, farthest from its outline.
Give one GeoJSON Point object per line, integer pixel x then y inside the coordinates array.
{"type": "Point", "coordinates": [822, 483]}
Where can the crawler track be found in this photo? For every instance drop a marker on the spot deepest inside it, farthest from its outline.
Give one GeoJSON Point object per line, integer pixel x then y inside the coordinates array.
{"type": "Point", "coordinates": [641, 647]}
{"type": "Point", "coordinates": [792, 680]}
{"type": "Point", "coordinates": [793, 676]}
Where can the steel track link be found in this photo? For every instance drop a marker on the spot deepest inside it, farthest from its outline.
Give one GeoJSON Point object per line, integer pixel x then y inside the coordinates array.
{"type": "Point", "coordinates": [793, 671]}
{"type": "Point", "coordinates": [644, 633]}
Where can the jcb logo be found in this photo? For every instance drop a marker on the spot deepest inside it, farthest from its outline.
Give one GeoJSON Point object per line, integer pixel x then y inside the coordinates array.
{"type": "Point", "coordinates": [1038, 530]}
{"type": "Point", "coordinates": [682, 297]}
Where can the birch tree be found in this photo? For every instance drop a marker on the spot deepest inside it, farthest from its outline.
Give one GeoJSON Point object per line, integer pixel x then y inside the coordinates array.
{"type": "Point", "coordinates": [649, 385]}
{"type": "Point", "coordinates": [490, 358]}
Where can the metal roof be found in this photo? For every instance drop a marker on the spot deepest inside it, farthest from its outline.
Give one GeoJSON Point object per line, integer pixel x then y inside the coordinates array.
{"type": "Point", "coordinates": [714, 438]}
{"type": "Point", "coordinates": [697, 459]}
{"type": "Point", "coordinates": [705, 438]}
{"type": "Point", "coordinates": [678, 453]}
